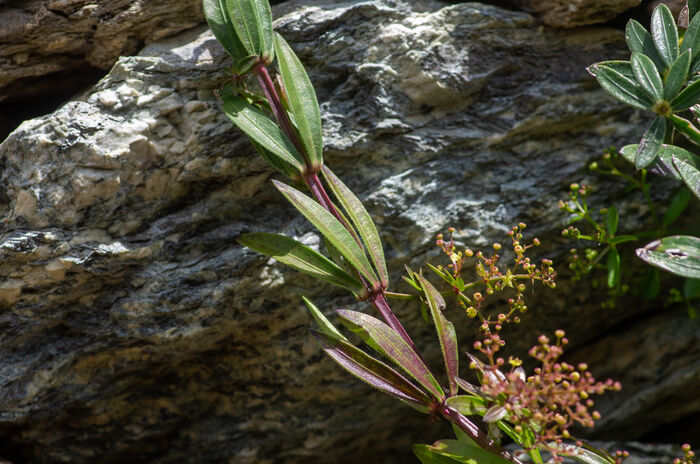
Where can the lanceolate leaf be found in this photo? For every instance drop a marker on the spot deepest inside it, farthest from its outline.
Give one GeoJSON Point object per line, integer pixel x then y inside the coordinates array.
{"type": "Point", "coordinates": [468, 405]}
{"type": "Point", "coordinates": [466, 453]}
{"type": "Point", "coordinates": [677, 76]}
{"type": "Point", "coordinates": [691, 39]}
{"type": "Point", "coordinates": [580, 454]}
{"type": "Point", "coordinates": [373, 371]}
{"type": "Point", "coordinates": [621, 87]}
{"type": "Point", "coordinates": [445, 331]}
{"type": "Point", "coordinates": [613, 268]}
{"type": "Point", "coordinates": [220, 24]}
{"type": "Point", "coordinates": [678, 203]}
{"type": "Point", "coordinates": [623, 67]}
{"type": "Point", "coordinates": [677, 254]}
{"type": "Point", "coordinates": [263, 131]}
{"type": "Point", "coordinates": [362, 221]}
{"type": "Point", "coordinates": [324, 324]}
{"type": "Point", "coordinates": [277, 162]}
{"type": "Point", "coordinates": [647, 76]}
{"type": "Point", "coordinates": [611, 220]}
{"type": "Point", "coordinates": [650, 143]}
{"type": "Point", "coordinates": [640, 41]}
{"type": "Point", "coordinates": [292, 253]}
{"type": "Point", "coordinates": [687, 98]}
{"type": "Point", "coordinates": [252, 21]}
{"type": "Point", "coordinates": [689, 173]}
{"type": "Point", "coordinates": [426, 456]}
{"type": "Point", "coordinates": [384, 339]}
{"type": "Point", "coordinates": [330, 228]}
{"type": "Point", "coordinates": [302, 100]}
{"type": "Point", "coordinates": [686, 128]}
{"type": "Point", "coordinates": [665, 34]}
{"type": "Point", "coordinates": [664, 164]}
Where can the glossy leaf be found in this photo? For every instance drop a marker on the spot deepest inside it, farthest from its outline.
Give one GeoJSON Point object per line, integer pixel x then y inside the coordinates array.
{"type": "Point", "coordinates": [678, 203]}
{"type": "Point", "coordinates": [689, 174]}
{"type": "Point", "coordinates": [467, 405]}
{"type": "Point", "coordinates": [294, 254]}
{"type": "Point", "coordinates": [324, 325]}
{"type": "Point", "coordinates": [687, 98]}
{"type": "Point", "coordinates": [621, 87]}
{"type": "Point", "coordinates": [686, 128]}
{"type": "Point", "coordinates": [677, 76]}
{"type": "Point", "coordinates": [647, 76]}
{"type": "Point", "coordinates": [362, 222]}
{"type": "Point", "coordinates": [330, 228]}
{"type": "Point", "coordinates": [677, 254]}
{"type": "Point", "coordinates": [426, 456]}
{"type": "Point", "coordinates": [302, 100]}
{"type": "Point", "coordinates": [445, 332]}
{"type": "Point", "coordinates": [467, 386]}
{"type": "Point", "coordinates": [640, 41]}
{"type": "Point", "coordinates": [372, 371]}
{"type": "Point", "coordinates": [691, 39]}
{"type": "Point", "coordinates": [252, 21]}
{"type": "Point", "coordinates": [613, 268]}
{"type": "Point", "coordinates": [495, 413]}
{"type": "Point", "coordinates": [386, 341]}
{"type": "Point", "coordinates": [217, 17]}
{"type": "Point", "coordinates": [623, 67]}
{"type": "Point", "coordinates": [650, 143]}
{"type": "Point", "coordinates": [664, 164]}
{"type": "Point", "coordinates": [262, 130]}
{"type": "Point", "coordinates": [466, 453]}
{"type": "Point", "coordinates": [611, 219]}
{"type": "Point", "coordinates": [580, 454]}
{"type": "Point", "coordinates": [665, 34]}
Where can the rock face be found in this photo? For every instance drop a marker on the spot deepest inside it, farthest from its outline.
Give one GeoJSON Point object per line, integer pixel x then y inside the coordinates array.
{"type": "Point", "coordinates": [572, 13]}
{"type": "Point", "coordinates": [136, 329]}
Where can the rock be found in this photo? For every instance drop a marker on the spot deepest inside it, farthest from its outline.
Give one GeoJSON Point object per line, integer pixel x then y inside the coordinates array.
{"type": "Point", "coordinates": [572, 13]}
{"type": "Point", "coordinates": [136, 329]}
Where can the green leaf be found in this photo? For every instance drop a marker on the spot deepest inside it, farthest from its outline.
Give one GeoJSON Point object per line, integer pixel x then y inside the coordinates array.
{"type": "Point", "coordinates": [245, 64]}
{"type": "Point", "coordinates": [611, 220]}
{"type": "Point", "coordinates": [693, 8]}
{"type": "Point", "coordinates": [687, 98]}
{"type": "Point", "coordinates": [323, 323]}
{"type": "Point", "coordinates": [426, 456]}
{"type": "Point", "coordinates": [252, 21]}
{"type": "Point", "coordinates": [650, 143]}
{"type": "Point", "coordinates": [217, 16]}
{"type": "Point", "coordinates": [445, 331]}
{"type": "Point", "coordinates": [640, 41]}
{"type": "Point", "coordinates": [691, 289]}
{"type": "Point", "coordinates": [664, 164]}
{"type": "Point", "coordinates": [330, 228]}
{"type": "Point", "coordinates": [647, 76]}
{"type": "Point", "coordinates": [665, 34]}
{"type": "Point", "coordinates": [677, 254]}
{"type": "Point", "coordinates": [302, 100]}
{"type": "Point", "coordinates": [678, 203]}
{"type": "Point", "coordinates": [580, 454]}
{"type": "Point", "coordinates": [613, 268]}
{"type": "Point", "coordinates": [689, 174]}
{"type": "Point", "coordinates": [677, 76]}
{"type": "Point", "coordinates": [292, 253]}
{"type": "Point", "coordinates": [386, 341]}
{"type": "Point", "coordinates": [465, 453]}
{"type": "Point", "coordinates": [623, 67]}
{"type": "Point", "coordinates": [277, 162]}
{"type": "Point", "coordinates": [686, 128]}
{"type": "Point", "coordinates": [263, 131]}
{"type": "Point", "coordinates": [651, 284]}
{"type": "Point", "coordinates": [362, 221]}
{"type": "Point", "coordinates": [467, 405]}
{"type": "Point", "coordinates": [691, 39]}
{"type": "Point", "coordinates": [373, 372]}
{"type": "Point", "coordinates": [621, 87]}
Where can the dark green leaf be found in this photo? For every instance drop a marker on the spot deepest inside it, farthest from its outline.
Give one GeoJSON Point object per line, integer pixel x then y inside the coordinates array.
{"type": "Point", "coordinates": [277, 162]}
{"type": "Point", "coordinates": [611, 220]}
{"type": "Point", "coordinates": [665, 34]}
{"type": "Point", "coordinates": [691, 289]}
{"type": "Point", "coordinates": [640, 41]}
{"type": "Point", "coordinates": [461, 435]}
{"type": "Point", "coordinates": [330, 228]}
{"type": "Point", "coordinates": [373, 371]}
{"type": "Point", "coordinates": [613, 268]}
{"type": "Point", "coordinates": [678, 203]}
{"type": "Point", "coordinates": [385, 340]}
{"type": "Point", "coordinates": [687, 98]}
{"type": "Point", "coordinates": [362, 221]}
{"type": "Point", "coordinates": [426, 456]}
{"type": "Point", "coordinates": [677, 254]}
{"type": "Point", "coordinates": [323, 323]}
{"type": "Point", "coordinates": [623, 67]}
{"type": "Point", "coordinates": [651, 284]}
{"type": "Point", "coordinates": [621, 87]}
{"type": "Point", "coordinates": [220, 24]}
{"type": "Point", "coordinates": [263, 131]}
{"type": "Point", "coordinates": [664, 164]}
{"type": "Point", "coordinates": [647, 76]}
{"type": "Point", "coordinates": [292, 253]}
{"type": "Point", "coordinates": [693, 8]}
{"type": "Point", "coordinates": [650, 143]}
{"type": "Point", "coordinates": [244, 64]}
{"type": "Point", "coordinates": [677, 76]}
{"type": "Point", "coordinates": [252, 21]}
{"type": "Point", "coordinates": [689, 174]}
{"type": "Point", "coordinates": [445, 332]}
{"type": "Point", "coordinates": [302, 100]}
{"type": "Point", "coordinates": [691, 39]}
{"type": "Point", "coordinates": [466, 453]}
{"type": "Point", "coordinates": [580, 454]}
{"type": "Point", "coordinates": [686, 128]}
{"type": "Point", "coordinates": [468, 405]}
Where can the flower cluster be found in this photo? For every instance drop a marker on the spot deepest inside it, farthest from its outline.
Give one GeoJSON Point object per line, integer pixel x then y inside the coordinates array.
{"type": "Point", "coordinates": [687, 457]}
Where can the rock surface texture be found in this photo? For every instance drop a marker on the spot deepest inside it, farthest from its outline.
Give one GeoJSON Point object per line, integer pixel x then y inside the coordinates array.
{"type": "Point", "coordinates": [572, 13]}
{"type": "Point", "coordinates": [135, 329]}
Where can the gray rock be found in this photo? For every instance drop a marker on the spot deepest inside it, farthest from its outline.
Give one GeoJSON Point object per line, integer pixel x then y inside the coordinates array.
{"type": "Point", "coordinates": [572, 13]}
{"type": "Point", "coordinates": [136, 329]}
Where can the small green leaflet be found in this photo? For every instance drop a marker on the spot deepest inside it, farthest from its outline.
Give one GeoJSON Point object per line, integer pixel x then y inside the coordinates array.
{"type": "Point", "coordinates": [677, 254]}
{"type": "Point", "coordinates": [252, 21]}
{"type": "Point", "coordinates": [613, 268]}
{"type": "Point", "coordinates": [650, 143]}
{"type": "Point", "coordinates": [611, 220]}
{"type": "Point", "coordinates": [323, 323]}
{"type": "Point", "coordinates": [621, 87]}
{"type": "Point", "coordinates": [361, 220]}
{"type": "Point", "coordinates": [465, 453]}
{"type": "Point", "coordinates": [302, 100]}
{"type": "Point", "coordinates": [665, 34]}
{"type": "Point", "coordinates": [294, 254]}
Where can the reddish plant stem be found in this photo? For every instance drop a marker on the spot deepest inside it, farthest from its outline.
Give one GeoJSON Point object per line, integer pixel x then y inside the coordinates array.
{"type": "Point", "coordinates": [379, 302]}
{"type": "Point", "coordinates": [475, 433]}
